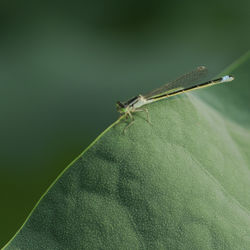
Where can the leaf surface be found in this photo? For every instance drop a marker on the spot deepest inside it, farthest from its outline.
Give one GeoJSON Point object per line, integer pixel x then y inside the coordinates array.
{"type": "Point", "coordinates": [181, 183]}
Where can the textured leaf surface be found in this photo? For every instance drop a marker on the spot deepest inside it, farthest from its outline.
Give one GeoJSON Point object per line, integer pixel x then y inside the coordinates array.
{"type": "Point", "coordinates": [181, 183]}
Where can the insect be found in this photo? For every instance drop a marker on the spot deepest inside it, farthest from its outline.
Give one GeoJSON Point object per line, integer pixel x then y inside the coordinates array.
{"type": "Point", "coordinates": [184, 83]}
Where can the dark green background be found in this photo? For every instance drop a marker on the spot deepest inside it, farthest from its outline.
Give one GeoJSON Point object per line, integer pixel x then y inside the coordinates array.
{"type": "Point", "coordinates": [64, 64]}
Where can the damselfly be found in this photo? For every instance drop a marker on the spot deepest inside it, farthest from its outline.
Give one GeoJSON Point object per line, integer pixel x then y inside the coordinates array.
{"type": "Point", "coordinates": [182, 84]}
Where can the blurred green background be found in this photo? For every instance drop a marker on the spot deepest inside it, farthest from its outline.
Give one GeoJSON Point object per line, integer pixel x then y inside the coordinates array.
{"type": "Point", "coordinates": [63, 65]}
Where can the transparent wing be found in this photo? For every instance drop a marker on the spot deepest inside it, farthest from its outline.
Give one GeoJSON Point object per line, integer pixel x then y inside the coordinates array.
{"type": "Point", "coordinates": [184, 81]}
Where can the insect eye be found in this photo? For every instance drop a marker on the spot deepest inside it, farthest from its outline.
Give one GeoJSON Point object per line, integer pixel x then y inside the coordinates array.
{"type": "Point", "coordinates": [119, 105]}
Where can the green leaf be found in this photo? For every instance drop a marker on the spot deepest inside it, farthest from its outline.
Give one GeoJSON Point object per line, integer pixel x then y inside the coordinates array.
{"type": "Point", "coordinates": [181, 183]}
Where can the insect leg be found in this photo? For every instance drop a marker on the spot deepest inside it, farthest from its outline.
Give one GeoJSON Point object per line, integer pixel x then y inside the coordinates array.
{"type": "Point", "coordinates": [132, 120]}
{"type": "Point", "coordinates": [145, 110]}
